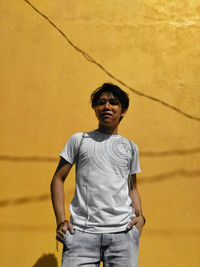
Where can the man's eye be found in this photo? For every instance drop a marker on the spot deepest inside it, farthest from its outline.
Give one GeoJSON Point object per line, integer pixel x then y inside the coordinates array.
{"type": "Point", "coordinates": [101, 102]}
{"type": "Point", "coordinates": [114, 102]}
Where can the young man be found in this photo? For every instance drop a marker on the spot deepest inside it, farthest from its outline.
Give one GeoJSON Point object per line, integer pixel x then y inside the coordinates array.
{"type": "Point", "coordinates": [106, 216]}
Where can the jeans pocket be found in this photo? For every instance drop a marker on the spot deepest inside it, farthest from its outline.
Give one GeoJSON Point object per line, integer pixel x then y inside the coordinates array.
{"type": "Point", "coordinates": [136, 232]}
{"type": "Point", "coordinates": [68, 238]}
{"type": "Point", "coordinates": [65, 237]}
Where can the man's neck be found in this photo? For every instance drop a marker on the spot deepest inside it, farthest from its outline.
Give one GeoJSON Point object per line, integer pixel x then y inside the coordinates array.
{"type": "Point", "coordinates": [108, 130]}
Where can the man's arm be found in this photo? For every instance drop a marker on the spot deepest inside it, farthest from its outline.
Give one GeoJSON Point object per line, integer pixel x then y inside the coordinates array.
{"type": "Point", "coordinates": [57, 197]}
{"type": "Point", "coordinates": [139, 220]}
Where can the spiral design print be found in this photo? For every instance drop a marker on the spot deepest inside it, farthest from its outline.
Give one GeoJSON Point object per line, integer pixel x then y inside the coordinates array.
{"type": "Point", "coordinates": [109, 156]}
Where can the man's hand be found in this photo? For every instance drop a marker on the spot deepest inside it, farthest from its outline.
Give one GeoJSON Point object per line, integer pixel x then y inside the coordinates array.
{"type": "Point", "coordinates": [62, 230]}
{"type": "Point", "coordinates": [138, 222]}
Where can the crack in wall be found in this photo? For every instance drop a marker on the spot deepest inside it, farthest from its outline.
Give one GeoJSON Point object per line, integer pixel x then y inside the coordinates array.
{"type": "Point", "coordinates": [183, 173]}
{"type": "Point", "coordinates": [92, 60]}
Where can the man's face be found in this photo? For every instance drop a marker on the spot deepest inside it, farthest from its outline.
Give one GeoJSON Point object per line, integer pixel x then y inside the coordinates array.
{"type": "Point", "coordinates": [108, 110]}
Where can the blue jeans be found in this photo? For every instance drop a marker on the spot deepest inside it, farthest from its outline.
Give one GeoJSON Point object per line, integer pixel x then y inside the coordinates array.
{"type": "Point", "coordinates": [114, 249]}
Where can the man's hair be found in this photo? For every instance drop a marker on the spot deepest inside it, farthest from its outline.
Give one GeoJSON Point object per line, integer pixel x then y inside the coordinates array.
{"type": "Point", "coordinates": [115, 90]}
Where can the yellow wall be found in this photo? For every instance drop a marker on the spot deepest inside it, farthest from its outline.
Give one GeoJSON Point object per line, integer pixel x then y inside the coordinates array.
{"type": "Point", "coordinates": [154, 48]}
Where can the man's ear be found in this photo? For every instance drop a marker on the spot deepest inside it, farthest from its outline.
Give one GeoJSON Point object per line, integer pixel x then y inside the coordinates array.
{"type": "Point", "coordinates": [123, 112]}
{"type": "Point", "coordinates": [95, 111]}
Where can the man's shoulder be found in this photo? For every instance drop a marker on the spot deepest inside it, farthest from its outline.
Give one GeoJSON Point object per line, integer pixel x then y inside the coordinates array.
{"type": "Point", "coordinates": [79, 135]}
{"type": "Point", "coordinates": [75, 138]}
{"type": "Point", "coordinates": [128, 140]}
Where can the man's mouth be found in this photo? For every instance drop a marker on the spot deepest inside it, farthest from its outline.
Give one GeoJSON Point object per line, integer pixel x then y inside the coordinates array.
{"type": "Point", "coordinates": [106, 114]}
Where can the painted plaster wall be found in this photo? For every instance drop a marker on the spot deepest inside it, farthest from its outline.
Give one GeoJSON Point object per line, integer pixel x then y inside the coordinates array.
{"type": "Point", "coordinates": [149, 48]}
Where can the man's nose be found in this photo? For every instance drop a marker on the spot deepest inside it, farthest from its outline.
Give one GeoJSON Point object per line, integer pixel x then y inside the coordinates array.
{"type": "Point", "coordinates": [107, 105]}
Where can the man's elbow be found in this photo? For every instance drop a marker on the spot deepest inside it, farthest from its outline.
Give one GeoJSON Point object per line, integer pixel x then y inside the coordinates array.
{"type": "Point", "coordinates": [55, 181]}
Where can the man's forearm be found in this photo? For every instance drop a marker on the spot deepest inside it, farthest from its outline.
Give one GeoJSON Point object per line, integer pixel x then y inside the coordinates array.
{"type": "Point", "coordinates": [57, 197]}
{"type": "Point", "coordinates": [136, 201]}
{"type": "Point", "coordinates": [139, 220]}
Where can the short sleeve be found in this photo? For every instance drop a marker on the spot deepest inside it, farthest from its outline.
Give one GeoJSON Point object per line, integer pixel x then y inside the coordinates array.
{"type": "Point", "coordinates": [135, 165]}
{"type": "Point", "coordinates": [70, 150]}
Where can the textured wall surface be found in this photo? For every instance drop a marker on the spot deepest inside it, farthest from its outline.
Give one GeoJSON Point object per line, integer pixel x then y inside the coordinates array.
{"type": "Point", "coordinates": [51, 58]}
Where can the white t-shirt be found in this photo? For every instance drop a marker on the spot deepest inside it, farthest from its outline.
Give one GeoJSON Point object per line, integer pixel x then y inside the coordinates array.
{"type": "Point", "coordinates": [101, 202]}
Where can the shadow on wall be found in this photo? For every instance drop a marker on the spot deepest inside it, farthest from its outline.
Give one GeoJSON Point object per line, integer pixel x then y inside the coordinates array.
{"type": "Point", "coordinates": [150, 154]}
{"type": "Point", "coordinates": [46, 260]}
{"type": "Point", "coordinates": [143, 180]}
